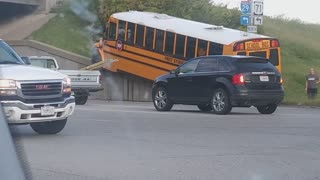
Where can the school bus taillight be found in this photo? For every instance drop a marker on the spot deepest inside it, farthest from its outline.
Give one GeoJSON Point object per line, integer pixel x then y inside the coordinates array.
{"type": "Point", "coordinates": [240, 47]}
{"type": "Point", "coordinates": [275, 43]}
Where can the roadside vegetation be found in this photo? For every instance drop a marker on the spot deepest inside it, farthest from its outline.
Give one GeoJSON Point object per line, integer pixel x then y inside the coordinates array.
{"type": "Point", "coordinates": [299, 40]}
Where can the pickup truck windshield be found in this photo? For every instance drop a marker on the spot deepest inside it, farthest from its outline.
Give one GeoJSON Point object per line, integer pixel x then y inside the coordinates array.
{"type": "Point", "coordinates": [45, 63]}
{"type": "Point", "coordinates": [7, 55]}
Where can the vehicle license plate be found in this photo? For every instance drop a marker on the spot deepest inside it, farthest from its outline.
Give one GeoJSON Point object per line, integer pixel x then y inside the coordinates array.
{"type": "Point", "coordinates": [47, 111]}
{"type": "Point", "coordinates": [264, 78]}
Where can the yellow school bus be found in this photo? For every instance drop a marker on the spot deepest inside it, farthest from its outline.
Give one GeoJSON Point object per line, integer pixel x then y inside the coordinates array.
{"type": "Point", "coordinates": [149, 44]}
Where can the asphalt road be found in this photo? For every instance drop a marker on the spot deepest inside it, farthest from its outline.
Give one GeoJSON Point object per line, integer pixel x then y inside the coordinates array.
{"type": "Point", "coordinates": [109, 140]}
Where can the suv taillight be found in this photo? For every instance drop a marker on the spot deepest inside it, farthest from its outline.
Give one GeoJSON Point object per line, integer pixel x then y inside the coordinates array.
{"type": "Point", "coordinates": [238, 79]}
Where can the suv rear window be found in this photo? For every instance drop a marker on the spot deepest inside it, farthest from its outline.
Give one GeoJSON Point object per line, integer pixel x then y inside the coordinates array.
{"type": "Point", "coordinates": [254, 64]}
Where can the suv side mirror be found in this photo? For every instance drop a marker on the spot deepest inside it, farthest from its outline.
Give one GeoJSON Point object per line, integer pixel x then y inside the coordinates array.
{"type": "Point", "coordinates": [26, 60]}
{"type": "Point", "coordinates": [175, 72]}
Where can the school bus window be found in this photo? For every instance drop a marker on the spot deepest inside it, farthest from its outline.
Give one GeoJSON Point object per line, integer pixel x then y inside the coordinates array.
{"type": "Point", "coordinates": [215, 49]}
{"type": "Point", "coordinates": [202, 47]}
{"type": "Point", "coordinates": [274, 57]}
{"type": "Point", "coordinates": [169, 43]}
{"type": "Point", "coordinates": [130, 33]}
{"type": "Point", "coordinates": [180, 45]}
{"type": "Point", "coordinates": [140, 35]}
{"type": "Point", "coordinates": [159, 40]}
{"type": "Point", "coordinates": [149, 38]}
{"type": "Point", "coordinates": [112, 31]}
{"type": "Point", "coordinates": [122, 30]}
{"type": "Point", "coordinates": [191, 46]}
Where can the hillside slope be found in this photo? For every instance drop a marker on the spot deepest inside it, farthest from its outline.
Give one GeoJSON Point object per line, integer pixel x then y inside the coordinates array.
{"type": "Point", "coordinates": [300, 43]}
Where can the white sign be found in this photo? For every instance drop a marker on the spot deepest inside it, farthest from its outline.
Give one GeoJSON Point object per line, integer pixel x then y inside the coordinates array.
{"type": "Point", "coordinates": [258, 8]}
{"type": "Point", "coordinates": [257, 20]}
{"type": "Point", "coordinates": [252, 29]}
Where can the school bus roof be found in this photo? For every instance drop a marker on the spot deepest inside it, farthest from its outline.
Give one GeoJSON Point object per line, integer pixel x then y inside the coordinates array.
{"type": "Point", "coordinates": [186, 27]}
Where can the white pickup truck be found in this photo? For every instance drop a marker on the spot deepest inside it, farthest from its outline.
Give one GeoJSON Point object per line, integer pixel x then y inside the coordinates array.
{"type": "Point", "coordinates": [32, 95]}
{"type": "Point", "coordinates": [82, 81]}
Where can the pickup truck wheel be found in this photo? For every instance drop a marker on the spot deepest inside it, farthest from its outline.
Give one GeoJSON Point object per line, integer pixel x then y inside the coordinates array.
{"type": "Point", "coordinates": [81, 100]}
{"type": "Point", "coordinates": [268, 109]}
{"type": "Point", "coordinates": [53, 127]}
{"type": "Point", "coordinates": [221, 102]}
{"type": "Point", "coordinates": [205, 107]}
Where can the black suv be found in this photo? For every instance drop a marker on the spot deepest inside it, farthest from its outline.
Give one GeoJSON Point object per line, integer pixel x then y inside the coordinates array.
{"type": "Point", "coordinates": [218, 83]}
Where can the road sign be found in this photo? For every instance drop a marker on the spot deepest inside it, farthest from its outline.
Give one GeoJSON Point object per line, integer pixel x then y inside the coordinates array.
{"type": "Point", "coordinates": [257, 20]}
{"type": "Point", "coordinates": [245, 20]}
{"type": "Point", "coordinates": [246, 7]}
{"type": "Point", "coordinates": [258, 8]}
{"type": "Point", "coordinates": [252, 29]}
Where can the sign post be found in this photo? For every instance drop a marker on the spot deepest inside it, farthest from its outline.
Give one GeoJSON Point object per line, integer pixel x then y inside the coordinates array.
{"type": "Point", "coordinates": [252, 14]}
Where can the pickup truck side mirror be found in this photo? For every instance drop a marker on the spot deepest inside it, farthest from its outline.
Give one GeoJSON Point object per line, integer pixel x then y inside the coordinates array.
{"type": "Point", "coordinates": [26, 60]}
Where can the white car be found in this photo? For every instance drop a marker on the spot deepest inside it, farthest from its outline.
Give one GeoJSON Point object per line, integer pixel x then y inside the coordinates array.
{"type": "Point", "coordinates": [32, 95]}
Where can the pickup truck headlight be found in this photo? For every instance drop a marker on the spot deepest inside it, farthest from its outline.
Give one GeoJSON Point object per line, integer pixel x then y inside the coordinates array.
{"type": "Point", "coordinates": [67, 85]}
{"type": "Point", "coordinates": [8, 87]}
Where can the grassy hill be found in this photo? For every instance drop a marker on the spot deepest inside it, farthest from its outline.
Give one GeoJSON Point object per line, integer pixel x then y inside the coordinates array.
{"type": "Point", "coordinates": [300, 43]}
{"type": "Point", "coordinates": [300, 50]}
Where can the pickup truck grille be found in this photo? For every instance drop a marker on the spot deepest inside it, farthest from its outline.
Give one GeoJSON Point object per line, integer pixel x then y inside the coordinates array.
{"type": "Point", "coordinates": [41, 88]}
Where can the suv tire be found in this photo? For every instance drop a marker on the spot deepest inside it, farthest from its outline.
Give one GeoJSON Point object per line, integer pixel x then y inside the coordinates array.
{"type": "Point", "coordinates": [221, 102]}
{"type": "Point", "coordinates": [161, 101]}
{"type": "Point", "coordinates": [267, 109]}
{"type": "Point", "coordinates": [53, 127]}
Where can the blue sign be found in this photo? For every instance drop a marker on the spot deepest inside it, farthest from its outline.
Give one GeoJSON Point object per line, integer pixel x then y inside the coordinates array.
{"type": "Point", "coordinates": [245, 7]}
{"type": "Point", "coordinates": [245, 20]}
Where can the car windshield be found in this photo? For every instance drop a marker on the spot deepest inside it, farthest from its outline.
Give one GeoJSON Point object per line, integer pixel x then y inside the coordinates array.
{"type": "Point", "coordinates": [45, 63]}
{"type": "Point", "coordinates": [7, 55]}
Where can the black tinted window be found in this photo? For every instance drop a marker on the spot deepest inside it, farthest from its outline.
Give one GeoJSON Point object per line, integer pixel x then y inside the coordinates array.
{"type": "Point", "coordinates": [180, 45]}
{"type": "Point", "coordinates": [274, 57]}
{"type": "Point", "coordinates": [191, 46]}
{"type": "Point", "coordinates": [254, 64]}
{"type": "Point", "coordinates": [112, 31]}
{"type": "Point", "coordinates": [122, 30]}
{"type": "Point", "coordinates": [140, 35]}
{"type": "Point", "coordinates": [262, 54]}
{"type": "Point", "coordinates": [130, 33]}
{"type": "Point", "coordinates": [159, 40]}
{"type": "Point", "coordinates": [208, 65]}
{"type": "Point", "coordinates": [169, 43]}
{"type": "Point", "coordinates": [189, 67]}
{"type": "Point", "coordinates": [202, 48]}
{"type": "Point", "coordinates": [215, 49]}
{"type": "Point", "coordinates": [224, 65]}
{"type": "Point", "coordinates": [149, 38]}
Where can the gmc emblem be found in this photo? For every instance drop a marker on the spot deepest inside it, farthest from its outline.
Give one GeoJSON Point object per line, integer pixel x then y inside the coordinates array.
{"type": "Point", "coordinates": [42, 87]}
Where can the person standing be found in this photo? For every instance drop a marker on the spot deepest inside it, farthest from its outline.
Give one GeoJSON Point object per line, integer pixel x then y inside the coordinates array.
{"type": "Point", "coordinates": [311, 84]}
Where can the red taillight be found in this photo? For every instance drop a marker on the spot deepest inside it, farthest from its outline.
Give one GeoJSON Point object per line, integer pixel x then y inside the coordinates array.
{"type": "Point", "coordinates": [240, 47]}
{"type": "Point", "coordinates": [238, 79]}
{"type": "Point", "coordinates": [100, 78]}
{"type": "Point", "coordinates": [275, 43]}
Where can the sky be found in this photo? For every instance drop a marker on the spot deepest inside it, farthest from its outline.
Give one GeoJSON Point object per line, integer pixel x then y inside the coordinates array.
{"type": "Point", "coordinates": [306, 10]}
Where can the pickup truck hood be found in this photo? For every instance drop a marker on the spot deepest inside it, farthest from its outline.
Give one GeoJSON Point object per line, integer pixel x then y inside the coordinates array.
{"type": "Point", "coordinates": [25, 73]}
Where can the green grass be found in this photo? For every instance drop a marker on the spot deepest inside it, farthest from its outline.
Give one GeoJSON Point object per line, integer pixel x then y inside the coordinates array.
{"type": "Point", "coordinates": [65, 31]}
{"type": "Point", "coordinates": [300, 51]}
